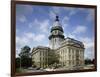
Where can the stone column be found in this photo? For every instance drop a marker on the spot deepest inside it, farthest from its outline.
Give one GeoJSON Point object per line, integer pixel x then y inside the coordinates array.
{"type": "Point", "coordinates": [82, 57]}
{"type": "Point", "coordinates": [74, 57]}
{"type": "Point", "coordinates": [68, 56]}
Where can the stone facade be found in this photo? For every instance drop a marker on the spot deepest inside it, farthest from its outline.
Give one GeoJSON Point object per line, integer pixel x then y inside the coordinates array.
{"type": "Point", "coordinates": [40, 56]}
{"type": "Point", "coordinates": [71, 51]}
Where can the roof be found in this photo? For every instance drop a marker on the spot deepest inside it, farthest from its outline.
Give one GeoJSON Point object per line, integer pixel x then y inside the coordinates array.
{"type": "Point", "coordinates": [39, 47]}
{"type": "Point", "coordinates": [57, 28]}
{"type": "Point", "coordinates": [52, 36]}
{"type": "Point", "coordinates": [70, 41]}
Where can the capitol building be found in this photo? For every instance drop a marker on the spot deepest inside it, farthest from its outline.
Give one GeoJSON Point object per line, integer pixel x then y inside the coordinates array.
{"type": "Point", "coordinates": [71, 51]}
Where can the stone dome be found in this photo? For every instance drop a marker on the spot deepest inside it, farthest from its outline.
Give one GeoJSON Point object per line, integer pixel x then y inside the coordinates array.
{"type": "Point", "coordinates": [57, 28]}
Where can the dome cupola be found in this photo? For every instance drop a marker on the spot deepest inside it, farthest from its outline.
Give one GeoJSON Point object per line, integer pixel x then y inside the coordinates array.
{"type": "Point", "coordinates": [56, 34]}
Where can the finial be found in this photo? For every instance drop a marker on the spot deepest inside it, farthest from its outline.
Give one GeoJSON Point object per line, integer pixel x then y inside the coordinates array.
{"type": "Point", "coordinates": [57, 18]}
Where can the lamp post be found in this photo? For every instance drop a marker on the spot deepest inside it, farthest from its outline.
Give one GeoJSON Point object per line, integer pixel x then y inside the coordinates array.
{"type": "Point", "coordinates": [20, 62]}
{"type": "Point", "coordinates": [20, 58]}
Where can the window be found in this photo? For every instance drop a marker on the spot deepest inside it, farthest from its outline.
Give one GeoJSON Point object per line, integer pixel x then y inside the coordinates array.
{"type": "Point", "coordinates": [40, 58]}
{"type": "Point", "coordinates": [55, 31]}
{"type": "Point", "coordinates": [55, 39]}
{"type": "Point", "coordinates": [40, 53]}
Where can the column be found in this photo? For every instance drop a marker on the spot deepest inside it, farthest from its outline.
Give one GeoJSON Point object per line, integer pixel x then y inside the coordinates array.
{"type": "Point", "coordinates": [82, 57]}
{"type": "Point", "coordinates": [75, 57]}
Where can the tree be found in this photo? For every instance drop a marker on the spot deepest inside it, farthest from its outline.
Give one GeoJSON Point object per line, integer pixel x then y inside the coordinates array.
{"type": "Point", "coordinates": [53, 58]}
{"type": "Point", "coordinates": [25, 51]}
{"type": "Point", "coordinates": [17, 62]}
{"type": "Point", "coordinates": [25, 57]}
{"type": "Point", "coordinates": [93, 61]}
{"type": "Point", "coordinates": [88, 61]}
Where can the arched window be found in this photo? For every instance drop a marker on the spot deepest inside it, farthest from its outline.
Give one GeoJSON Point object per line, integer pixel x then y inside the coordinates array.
{"type": "Point", "coordinates": [55, 31]}
{"type": "Point", "coordinates": [55, 39]}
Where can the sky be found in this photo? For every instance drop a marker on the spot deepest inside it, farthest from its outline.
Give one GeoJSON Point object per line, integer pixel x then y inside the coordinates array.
{"type": "Point", "coordinates": [33, 24]}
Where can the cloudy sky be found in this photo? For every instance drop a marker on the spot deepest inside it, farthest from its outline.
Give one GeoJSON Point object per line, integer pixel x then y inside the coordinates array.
{"type": "Point", "coordinates": [33, 25]}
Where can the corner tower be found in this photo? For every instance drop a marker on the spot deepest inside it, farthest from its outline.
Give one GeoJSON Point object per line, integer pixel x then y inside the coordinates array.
{"type": "Point", "coordinates": [56, 34]}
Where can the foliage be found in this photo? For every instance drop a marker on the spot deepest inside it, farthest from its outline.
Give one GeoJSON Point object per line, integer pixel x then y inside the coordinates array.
{"type": "Point", "coordinates": [89, 61]}
{"type": "Point", "coordinates": [17, 62]}
{"type": "Point", "coordinates": [25, 57]}
{"type": "Point", "coordinates": [53, 58]}
{"type": "Point", "coordinates": [25, 51]}
{"type": "Point", "coordinates": [26, 62]}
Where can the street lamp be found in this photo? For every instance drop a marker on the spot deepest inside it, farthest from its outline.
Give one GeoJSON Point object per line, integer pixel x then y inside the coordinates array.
{"type": "Point", "coordinates": [20, 62]}
{"type": "Point", "coordinates": [20, 57]}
